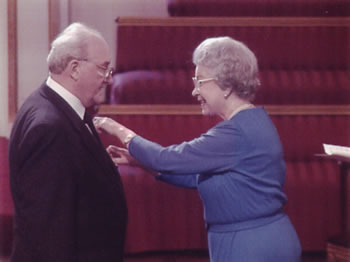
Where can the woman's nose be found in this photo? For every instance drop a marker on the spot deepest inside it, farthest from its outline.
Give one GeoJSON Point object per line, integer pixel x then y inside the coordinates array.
{"type": "Point", "coordinates": [195, 91]}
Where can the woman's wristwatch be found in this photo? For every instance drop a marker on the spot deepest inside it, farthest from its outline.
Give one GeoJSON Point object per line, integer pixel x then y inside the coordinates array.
{"type": "Point", "coordinates": [127, 139]}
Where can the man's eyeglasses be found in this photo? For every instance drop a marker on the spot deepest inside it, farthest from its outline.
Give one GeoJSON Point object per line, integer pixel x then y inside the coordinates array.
{"type": "Point", "coordinates": [107, 71]}
{"type": "Point", "coordinates": [198, 82]}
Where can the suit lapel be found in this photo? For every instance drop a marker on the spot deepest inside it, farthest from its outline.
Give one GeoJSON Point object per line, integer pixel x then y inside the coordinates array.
{"type": "Point", "coordinates": [92, 144]}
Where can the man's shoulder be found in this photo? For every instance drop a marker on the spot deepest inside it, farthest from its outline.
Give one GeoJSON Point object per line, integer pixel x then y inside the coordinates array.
{"type": "Point", "coordinates": [37, 105]}
{"type": "Point", "coordinates": [36, 99]}
{"type": "Point", "coordinates": [37, 110]}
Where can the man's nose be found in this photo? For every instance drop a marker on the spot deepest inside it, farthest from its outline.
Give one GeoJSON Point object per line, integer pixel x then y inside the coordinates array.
{"type": "Point", "coordinates": [108, 80]}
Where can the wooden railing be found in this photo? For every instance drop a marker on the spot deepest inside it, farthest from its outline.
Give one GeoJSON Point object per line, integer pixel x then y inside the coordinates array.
{"type": "Point", "coordinates": [233, 21]}
{"type": "Point", "coordinates": [196, 110]}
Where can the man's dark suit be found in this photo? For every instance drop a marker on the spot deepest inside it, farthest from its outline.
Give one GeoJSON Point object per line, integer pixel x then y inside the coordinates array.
{"type": "Point", "coordinates": [68, 195]}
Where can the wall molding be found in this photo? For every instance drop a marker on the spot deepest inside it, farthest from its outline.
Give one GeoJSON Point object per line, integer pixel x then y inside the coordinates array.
{"type": "Point", "coordinates": [54, 14]}
{"type": "Point", "coordinates": [12, 59]}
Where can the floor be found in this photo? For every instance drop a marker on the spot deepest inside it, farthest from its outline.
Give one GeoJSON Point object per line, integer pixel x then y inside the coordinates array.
{"type": "Point", "coordinates": [192, 256]}
{"type": "Point", "coordinates": [202, 256]}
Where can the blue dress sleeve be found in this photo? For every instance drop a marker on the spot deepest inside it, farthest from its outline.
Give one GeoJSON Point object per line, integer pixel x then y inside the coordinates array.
{"type": "Point", "coordinates": [212, 152]}
{"type": "Point", "coordinates": [187, 181]}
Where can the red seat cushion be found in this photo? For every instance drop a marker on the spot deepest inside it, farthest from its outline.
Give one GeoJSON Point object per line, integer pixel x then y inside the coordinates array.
{"type": "Point", "coordinates": [278, 87]}
{"type": "Point", "coordinates": [6, 204]}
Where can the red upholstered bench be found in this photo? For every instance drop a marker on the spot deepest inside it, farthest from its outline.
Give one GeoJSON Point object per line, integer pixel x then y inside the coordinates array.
{"type": "Point", "coordinates": [6, 205]}
{"type": "Point", "coordinates": [278, 42]}
{"type": "Point", "coordinates": [277, 87]}
{"type": "Point", "coordinates": [152, 87]}
{"type": "Point", "coordinates": [302, 60]}
{"type": "Point", "coordinates": [259, 7]}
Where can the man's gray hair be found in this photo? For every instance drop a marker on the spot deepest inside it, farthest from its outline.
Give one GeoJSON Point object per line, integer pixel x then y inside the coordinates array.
{"type": "Point", "coordinates": [71, 43]}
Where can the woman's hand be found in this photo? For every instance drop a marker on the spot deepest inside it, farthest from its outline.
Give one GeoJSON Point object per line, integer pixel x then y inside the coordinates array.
{"type": "Point", "coordinates": [121, 156]}
{"type": "Point", "coordinates": [106, 124]}
{"type": "Point", "coordinates": [113, 128]}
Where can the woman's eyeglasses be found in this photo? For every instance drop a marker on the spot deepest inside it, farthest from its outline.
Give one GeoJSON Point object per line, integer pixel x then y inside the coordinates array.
{"type": "Point", "coordinates": [198, 82]}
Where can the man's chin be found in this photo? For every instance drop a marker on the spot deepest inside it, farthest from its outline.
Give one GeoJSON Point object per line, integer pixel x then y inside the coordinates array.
{"type": "Point", "coordinates": [94, 103]}
{"type": "Point", "coordinates": [99, 98]}
{"type": "Point", "coordinates": [99, 101]}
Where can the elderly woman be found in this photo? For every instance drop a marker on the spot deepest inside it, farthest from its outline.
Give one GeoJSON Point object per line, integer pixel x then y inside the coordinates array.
{"type": "Point", "coordinates": [237, 166]}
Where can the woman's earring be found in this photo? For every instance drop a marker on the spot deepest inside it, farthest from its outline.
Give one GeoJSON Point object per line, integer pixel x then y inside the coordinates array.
{"type": "Point", "coordinates": [228, 94]}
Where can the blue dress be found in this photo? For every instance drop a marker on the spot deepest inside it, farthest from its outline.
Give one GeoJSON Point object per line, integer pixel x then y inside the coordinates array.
{"type": "Point", "coordinates": [238, 168]}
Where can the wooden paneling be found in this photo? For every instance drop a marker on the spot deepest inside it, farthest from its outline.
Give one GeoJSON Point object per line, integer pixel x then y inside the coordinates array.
{"type": "Point", "coordinates": [12, 58]}
{"type": "Point", "coordinates": [54, 19]}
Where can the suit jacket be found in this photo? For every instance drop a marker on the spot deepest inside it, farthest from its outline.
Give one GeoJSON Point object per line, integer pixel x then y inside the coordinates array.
{"type": "Point", "coordinates": [68, 195]}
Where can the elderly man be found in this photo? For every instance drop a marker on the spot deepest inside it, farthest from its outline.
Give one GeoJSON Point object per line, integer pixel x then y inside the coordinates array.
{"type": "Point", "coordinates": [68, 195]}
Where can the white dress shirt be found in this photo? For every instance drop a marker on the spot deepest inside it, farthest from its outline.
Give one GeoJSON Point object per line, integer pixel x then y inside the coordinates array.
{"type": "Point", "coordinates": [71, 99]}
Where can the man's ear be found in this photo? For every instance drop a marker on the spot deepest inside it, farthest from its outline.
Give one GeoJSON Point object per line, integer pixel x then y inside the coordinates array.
{"type": "Point", "coordinates": [74, 69]}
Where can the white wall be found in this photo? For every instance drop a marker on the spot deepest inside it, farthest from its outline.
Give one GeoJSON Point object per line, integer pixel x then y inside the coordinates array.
{"type": "Point", "coordinates": [4, 127]}
{"type": "Point", "coordinates": [33, 45]}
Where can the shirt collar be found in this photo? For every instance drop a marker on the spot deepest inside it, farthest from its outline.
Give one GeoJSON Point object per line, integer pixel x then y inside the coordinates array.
{"type": "Point", "coordinates": [71, 99]}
